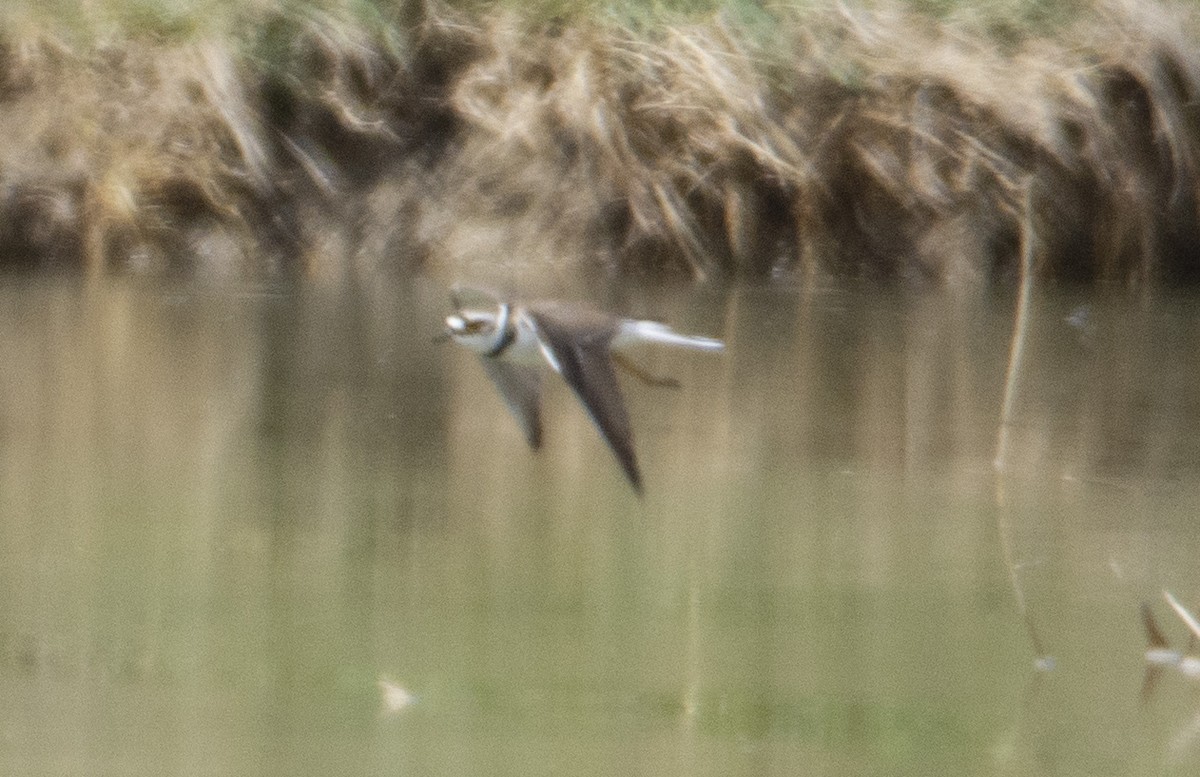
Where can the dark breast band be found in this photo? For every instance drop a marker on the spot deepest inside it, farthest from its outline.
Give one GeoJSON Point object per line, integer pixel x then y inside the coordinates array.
{"type": "Point", "coordinates": [508, 333]}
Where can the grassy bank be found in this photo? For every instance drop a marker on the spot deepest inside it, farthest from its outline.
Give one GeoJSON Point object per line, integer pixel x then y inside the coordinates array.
{"type": "Point", "coordinates": [921, 141]}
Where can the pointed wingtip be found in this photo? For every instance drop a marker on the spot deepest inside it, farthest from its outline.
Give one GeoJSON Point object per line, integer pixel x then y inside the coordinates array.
{"type": "Point", "coordinates": [633, 475]}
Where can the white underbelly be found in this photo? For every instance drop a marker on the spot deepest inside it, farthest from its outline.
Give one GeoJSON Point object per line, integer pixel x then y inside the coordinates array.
{"type": "Point", "coordinates": [525, 349]}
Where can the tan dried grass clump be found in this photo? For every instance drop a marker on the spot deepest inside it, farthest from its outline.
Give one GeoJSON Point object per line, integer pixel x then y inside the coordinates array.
{"type": "Point", "coordinates": [120, 155]}
{"type": "Point", "coordinates": [859, 142]}
{"type": "Point", "coordinates": [864, 143]}
{"type": "Point", "coordinates": [638, 152]}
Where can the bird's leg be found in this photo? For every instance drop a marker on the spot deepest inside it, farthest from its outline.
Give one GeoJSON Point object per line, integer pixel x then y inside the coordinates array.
{"type": "Point", "coordinates": [641, 374]}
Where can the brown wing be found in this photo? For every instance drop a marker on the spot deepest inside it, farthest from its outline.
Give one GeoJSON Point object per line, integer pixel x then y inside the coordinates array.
{"type": "Point", "coordinates": [522, 391]}
{"type": "Point", "coordinates": [576, 343]}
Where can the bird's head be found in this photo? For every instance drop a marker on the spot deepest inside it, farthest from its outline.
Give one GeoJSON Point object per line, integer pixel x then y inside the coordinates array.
{"type": "Point", "coordinates": [477, 329]}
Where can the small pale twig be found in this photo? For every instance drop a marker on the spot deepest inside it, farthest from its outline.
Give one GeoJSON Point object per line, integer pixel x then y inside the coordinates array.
{"type": "Point", "coordinates": [1183, 613]}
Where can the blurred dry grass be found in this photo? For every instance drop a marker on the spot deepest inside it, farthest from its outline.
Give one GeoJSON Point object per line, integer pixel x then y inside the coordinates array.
{"type": "Point", "coordinates": [877, 141]}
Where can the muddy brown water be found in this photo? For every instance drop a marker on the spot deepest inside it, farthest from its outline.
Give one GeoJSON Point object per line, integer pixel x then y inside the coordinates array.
{"type": "Point", "coordinates": [275, 529]}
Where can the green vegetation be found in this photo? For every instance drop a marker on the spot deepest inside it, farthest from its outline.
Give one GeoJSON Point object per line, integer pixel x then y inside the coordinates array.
{"type": "Point", "coordinates": [182, 20]}
{"type": "Point", "coordinates": [925, 140]}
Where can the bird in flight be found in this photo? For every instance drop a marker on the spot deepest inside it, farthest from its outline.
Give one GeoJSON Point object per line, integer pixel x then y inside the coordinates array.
{"type": "Point", "coordinates": [515, 340]}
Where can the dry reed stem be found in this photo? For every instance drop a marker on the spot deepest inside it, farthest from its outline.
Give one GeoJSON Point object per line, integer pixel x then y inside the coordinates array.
{"type": "Point", "coordinates": [1020, 334]}
{"type": "Point", "coordinates": [1184, 614]}
{"type": "Point", "coordinates": [1011, 383]}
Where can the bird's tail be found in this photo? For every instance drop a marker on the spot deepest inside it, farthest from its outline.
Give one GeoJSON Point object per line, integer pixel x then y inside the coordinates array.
{"type": "Point", "coordinates": [632, 332]}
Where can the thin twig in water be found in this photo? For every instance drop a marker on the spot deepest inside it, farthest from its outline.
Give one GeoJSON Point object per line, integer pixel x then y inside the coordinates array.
{"type": "Point", "coordinates": [1020, 329]}
{"type": "Point", "coordinates": [1183, 614]}
{"type": "Point", "coordinates": [1016, 350]}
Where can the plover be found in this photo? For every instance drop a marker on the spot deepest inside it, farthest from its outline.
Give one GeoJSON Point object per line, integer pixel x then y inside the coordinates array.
{"type": "Point", "coordinates": [579, 343]}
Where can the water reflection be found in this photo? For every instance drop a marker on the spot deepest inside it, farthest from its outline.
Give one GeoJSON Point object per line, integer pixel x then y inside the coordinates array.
{"type": "Point", "coordinates": [278, 530]}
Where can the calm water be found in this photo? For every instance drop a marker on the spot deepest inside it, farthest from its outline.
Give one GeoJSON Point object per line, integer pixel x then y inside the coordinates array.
{"type": "Point", "coordinates": [277, 530]}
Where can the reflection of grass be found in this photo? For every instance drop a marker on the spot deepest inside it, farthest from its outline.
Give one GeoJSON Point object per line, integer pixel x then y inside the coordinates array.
{"type": "Point", "coordinates": [692, 136]}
